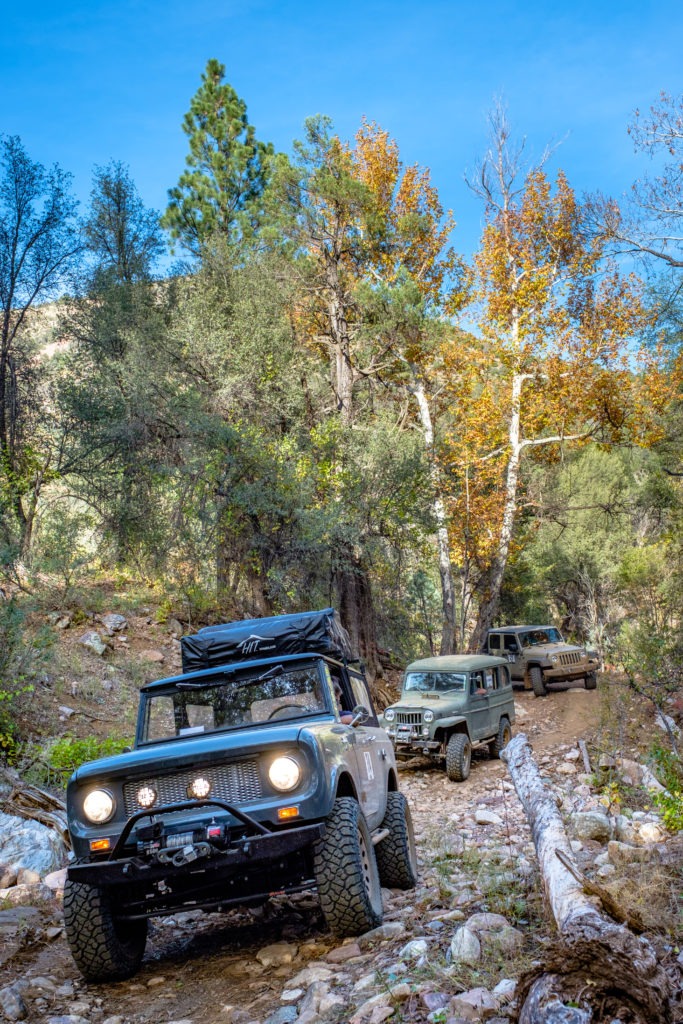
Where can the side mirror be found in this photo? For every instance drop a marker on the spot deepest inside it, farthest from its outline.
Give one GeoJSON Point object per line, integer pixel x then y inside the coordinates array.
{"type": "Point", "coordinates": [360, 715]}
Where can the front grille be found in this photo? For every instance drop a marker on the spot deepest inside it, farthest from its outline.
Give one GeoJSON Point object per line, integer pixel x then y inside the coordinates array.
{"type": "Point", "coordinates": [234, 783]}
{"type": "Point", "coordinates": [409, 717]}
{"type": "Point", "coordinates": [572, 658]}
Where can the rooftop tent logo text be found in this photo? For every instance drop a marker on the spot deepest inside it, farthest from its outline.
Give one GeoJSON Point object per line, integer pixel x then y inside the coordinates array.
{"type": "Point", "coordinates": [253, 643]}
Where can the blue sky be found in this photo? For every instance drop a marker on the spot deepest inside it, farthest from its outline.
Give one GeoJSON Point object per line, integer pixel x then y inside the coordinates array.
{"type": "Point", "coordinates": [86, 82]}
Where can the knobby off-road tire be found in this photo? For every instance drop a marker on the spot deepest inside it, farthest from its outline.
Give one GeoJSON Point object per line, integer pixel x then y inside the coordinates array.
{"type": "Point", "coordinates": [502, 739]}
{"type": "Point", "coordinates": [591, 681]}
{"type": "Point", "coordinates": [104, 948]}
{"type": "Point", "coordinates": [458, 757]}
{"type": "Point", "coordinates": [346, 872]}
{"type": "Point", "coordinates": [537, 684]}
{"type": "Point", "coordinates": [396, 854]}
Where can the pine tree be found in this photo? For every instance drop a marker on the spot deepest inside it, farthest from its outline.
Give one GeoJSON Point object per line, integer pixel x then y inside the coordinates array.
{"type": "Point", "coordinates": [227, 167]}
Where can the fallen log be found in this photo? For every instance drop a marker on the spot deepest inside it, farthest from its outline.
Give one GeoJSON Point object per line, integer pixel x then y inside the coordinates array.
{"type": "Point", "coordinates": [597, 970]}
{"type": "Point", "coordinates": [28, 801]}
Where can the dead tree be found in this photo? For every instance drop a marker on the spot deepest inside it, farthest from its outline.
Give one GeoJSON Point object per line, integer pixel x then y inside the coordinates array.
{"type": "Point", "coordinates": [597, 970]}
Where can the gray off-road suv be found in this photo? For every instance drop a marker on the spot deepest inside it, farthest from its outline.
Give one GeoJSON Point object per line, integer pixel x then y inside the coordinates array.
{"type": "Point", "coordinates": [538, 655]}
{"type": "Point", "coordinates": [450, 704]}
{"type": "Point", "coordinates": [261, 769]}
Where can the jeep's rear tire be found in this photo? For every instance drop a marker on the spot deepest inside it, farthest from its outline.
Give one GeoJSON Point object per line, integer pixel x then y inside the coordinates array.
{"type": "Point", "coordinates": [458, 757]}
{"type": "Point", "coordinates": [346, 871]}
{"type": "Point", "coordinates": [591, 681]}
{"type": "Point", "coordinates": [502, 739]}
{"type": "Point", "coordinates": [104, 947]}
{"type": "Point", "coordinates": [537, 684]}
{"type": "Point", "coordinates": [396, 854]}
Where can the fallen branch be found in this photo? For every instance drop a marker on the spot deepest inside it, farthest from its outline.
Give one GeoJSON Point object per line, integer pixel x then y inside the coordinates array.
{"type": "Point", "coordinates": [584, 754]}
{"type": "Point", "coordinates": [598, 970]}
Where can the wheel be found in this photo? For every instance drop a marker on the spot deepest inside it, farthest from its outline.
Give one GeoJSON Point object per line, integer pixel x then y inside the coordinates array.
{"type": "Point", "coordinates": [104, 948]}
{"type": "Point", "coordinates": [537, 684]}
{"type": "Point", "coordinates": [458, 757]}
{"type": "Point", "coordinates": [591, 681]}
{"type": "Point", "coordinates": [346, 872]}
{"type": "Point", "coordinates": [396, 854]}
{"type": "Point", "coordinates": [502, 739]}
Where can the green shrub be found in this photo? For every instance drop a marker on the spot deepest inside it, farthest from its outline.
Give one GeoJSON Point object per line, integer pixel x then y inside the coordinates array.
{"type": "Point", "coordinates": [66, 754]}
{"type": "Point", "coordinates": [669, 770]}
{"type": "Point", "coordinates": [22, 654]}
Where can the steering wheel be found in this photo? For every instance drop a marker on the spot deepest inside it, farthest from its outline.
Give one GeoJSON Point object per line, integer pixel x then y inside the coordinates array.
{"type": "Point", "coordinates": [285, 707]}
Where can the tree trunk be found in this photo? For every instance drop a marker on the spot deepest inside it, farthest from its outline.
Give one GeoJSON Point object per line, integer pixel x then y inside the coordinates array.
{"type": "Point", "coordinates": [356, 611]}
{"type": "Point", "coordinates": [598, 971]}
{"type": "Point", "coordinates": [341, 344]}
{"type": "Point", "coordinates": [442, 541]}
{"type": "Point", "coordinates": [489, 604]}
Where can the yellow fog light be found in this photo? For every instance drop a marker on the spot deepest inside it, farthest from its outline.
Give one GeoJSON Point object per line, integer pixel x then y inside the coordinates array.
{"type": "Point", "coordinates": [199, 788]}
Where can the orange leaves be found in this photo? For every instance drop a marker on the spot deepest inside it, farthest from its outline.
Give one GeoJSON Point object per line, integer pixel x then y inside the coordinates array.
{"type": "Point", "coordinates": [410, 230]}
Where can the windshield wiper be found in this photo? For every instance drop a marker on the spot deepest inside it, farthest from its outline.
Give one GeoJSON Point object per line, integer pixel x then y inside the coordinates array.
{"type": "Point", "coordinates": [205, 684]}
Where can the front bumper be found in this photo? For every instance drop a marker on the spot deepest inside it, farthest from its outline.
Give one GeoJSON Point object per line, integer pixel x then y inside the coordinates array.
{"type": "Point", "coordinates": [556, 673]}
{"type": "Point", "coordinates": [254, 846]}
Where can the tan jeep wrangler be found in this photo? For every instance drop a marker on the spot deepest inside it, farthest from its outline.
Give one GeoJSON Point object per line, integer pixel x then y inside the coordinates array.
{"type": "Point", "coordinates": [538, 655]}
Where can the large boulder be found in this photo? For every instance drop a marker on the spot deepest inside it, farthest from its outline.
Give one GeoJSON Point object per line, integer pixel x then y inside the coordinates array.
{"type": "Point", "coordinates": [28, 844]}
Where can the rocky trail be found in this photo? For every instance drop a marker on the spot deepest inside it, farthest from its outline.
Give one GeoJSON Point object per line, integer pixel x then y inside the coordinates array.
{"type": "Point", "coordinates": [448, 951]}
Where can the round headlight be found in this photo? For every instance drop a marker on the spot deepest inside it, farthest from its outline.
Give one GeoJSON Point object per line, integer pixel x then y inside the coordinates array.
{"type": "Point", "coordinates": [199, 788]}
{"type": "Point", "coordinates": [428, 716]}
{"type": "Point", "coordinates": [147, 796]}
{"type": "Point", "coordinates": [98, 806]}
{"type": "Point", "coordinates": [284, 774]}
{"type": "Point", "coordinates": [553, 658]}
{"type": "Point", "coordinates": [389, 715]}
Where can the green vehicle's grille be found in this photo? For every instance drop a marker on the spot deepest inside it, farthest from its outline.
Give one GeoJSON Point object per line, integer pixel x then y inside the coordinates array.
{"type": "Point", "coordinates": [409, 717]}
{"type": "Point", "coordinates": [234, 783]}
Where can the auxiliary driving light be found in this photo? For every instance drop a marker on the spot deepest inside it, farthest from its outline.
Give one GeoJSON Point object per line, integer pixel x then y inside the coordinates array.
{"type": "Point", "coordinates": [199, 788]}
{"type": "Point", "coordinates": [147, 796]}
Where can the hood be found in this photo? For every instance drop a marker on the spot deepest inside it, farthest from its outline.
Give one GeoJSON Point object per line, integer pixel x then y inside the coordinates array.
{"type": "Point", "coordinates": [438, 703]}
{"type": "Point", "coordinates": [188, 752]}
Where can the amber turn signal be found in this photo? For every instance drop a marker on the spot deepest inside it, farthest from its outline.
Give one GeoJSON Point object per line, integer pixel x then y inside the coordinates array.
{"type": "Point", "coordinates": [287, 812]}
{"type": "Point", "coordinates": [99, 844]}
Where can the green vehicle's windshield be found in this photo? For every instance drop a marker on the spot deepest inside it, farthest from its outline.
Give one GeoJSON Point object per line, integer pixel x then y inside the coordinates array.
{"type": "Point", "coordinates": [435, 682]}
{"type": "Point", "coordinates": [226, 702]}
{"type": "Point", "coordinates": [534, 637]}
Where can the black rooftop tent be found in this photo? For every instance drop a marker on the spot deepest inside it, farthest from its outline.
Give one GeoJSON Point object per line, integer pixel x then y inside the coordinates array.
{"type": "Point", "coordinates": [319, 632]}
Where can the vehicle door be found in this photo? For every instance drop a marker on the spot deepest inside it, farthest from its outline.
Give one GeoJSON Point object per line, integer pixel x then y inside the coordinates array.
{"type": "Point", "coordinates": [512, 650]}
{"type": "Point", "coordinates": [500, 697]}
{"type": "Point", "coordinates": [372, 754]}
{"type": "Point", "coordinates": [478, 713]}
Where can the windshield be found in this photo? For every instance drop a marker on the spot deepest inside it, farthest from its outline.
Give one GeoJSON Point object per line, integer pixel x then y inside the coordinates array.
{"type": "Point", "coordinates": [435, 682]}
{"type": "Point", "coordinates": [225, 702]}
{"type": "Point", "coordinates": [534, 637]}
